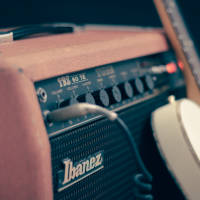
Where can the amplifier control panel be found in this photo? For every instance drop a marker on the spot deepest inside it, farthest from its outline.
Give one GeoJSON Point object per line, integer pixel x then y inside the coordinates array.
{"type": "Point", "coordinates": [115, 86]}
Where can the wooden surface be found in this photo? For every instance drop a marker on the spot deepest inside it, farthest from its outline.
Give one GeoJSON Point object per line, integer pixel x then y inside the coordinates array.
{"type": "Point", "coordinates": [44, 57]}
{"type": "Point", "coordinates": [193, 92]}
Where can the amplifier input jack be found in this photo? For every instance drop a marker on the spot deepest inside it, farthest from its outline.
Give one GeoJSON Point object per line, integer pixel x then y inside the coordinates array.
{"type": "Point", "coordinates": [47, 123]}
{"type": "Point", "coordinates": [42, 95]}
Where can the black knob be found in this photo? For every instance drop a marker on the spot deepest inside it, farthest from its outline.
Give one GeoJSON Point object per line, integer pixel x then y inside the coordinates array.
{"type": "Point", "coordinates": [137, 85]}
{"type": "Point", "coordinates": [101, 98]}
{"type": "Point", "coordinates": [67, 102]}
{"type": "Point", "coordinates": [86, 98]}
{"type": "Point", "coordinates": [126, 90]}
{"type": "Point", "coordinates": [148, 82]}
{"type": "Point", "coordinates": [114, 94]}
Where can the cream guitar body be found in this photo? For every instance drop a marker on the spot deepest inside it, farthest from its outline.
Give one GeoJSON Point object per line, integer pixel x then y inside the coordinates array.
{"type": "Point", "coordinates": [176, 129]}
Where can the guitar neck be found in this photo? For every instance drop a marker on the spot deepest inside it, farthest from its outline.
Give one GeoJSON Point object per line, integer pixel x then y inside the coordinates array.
{"type": "Point", "coordinates": [182, 43]}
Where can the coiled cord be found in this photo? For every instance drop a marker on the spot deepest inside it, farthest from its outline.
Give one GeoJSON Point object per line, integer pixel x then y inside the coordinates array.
{"type": "Point", "coordinates": [142, 181]}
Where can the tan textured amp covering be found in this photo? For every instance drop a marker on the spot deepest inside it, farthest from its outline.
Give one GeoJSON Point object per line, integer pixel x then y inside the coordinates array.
{"type": "Point", "coordinates": [25, 155]}
{"type": "Point", "coordinates": [45, 57]}
{"type": "Point", "coordinates": [25, 162]}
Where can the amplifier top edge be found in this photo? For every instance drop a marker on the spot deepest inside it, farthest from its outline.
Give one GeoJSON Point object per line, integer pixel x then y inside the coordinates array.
{"type": "Point", "coordinates": [50, 56]}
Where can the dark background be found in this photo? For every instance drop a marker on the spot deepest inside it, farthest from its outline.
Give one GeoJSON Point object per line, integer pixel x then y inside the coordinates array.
{"type": "Point", "coordinates": [123, 12]}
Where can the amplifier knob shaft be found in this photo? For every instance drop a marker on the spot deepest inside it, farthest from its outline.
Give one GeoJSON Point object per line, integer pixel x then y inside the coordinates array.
{"type": "Point", "coordinates": [86, 98]}
{"type": "Point", "coordinates": [114, 94]}
{"type": "Point", "coordinates": [126, 90]}
{"type": "Point", "coordinates": [101, 98]}
{"type": "Point", "coordinates": [148, 82]}
{"type": "Point", "coordinates": [137, 85]}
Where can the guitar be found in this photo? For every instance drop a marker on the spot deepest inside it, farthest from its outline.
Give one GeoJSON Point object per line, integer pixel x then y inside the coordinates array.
{"type": "Point", "coordinates": [182, 44]}
{"type": "Point", "coordinates": [176, 126]}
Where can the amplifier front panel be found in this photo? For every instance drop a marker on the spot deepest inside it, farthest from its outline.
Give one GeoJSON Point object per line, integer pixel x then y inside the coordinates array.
{"type": "Point", "coordinates": [76, 141]}
{"type": "Point", "coordinates": [72, 88]}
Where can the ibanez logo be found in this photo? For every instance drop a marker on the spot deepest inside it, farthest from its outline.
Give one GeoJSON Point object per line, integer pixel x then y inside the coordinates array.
{"type": "Point", "coordinates": [74, 172]}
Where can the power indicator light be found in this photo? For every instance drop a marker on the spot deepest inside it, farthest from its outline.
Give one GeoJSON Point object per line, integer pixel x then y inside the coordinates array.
{"type": "Point", "coordinates": [171, 68]}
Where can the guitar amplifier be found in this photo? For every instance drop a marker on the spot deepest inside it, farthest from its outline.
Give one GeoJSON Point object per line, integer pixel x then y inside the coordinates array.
{"type": "Point", "coordinates": [129, 72]}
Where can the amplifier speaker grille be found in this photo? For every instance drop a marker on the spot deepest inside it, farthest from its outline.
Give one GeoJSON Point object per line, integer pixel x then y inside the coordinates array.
{"type": "Point", "coordinates": [114, 181]}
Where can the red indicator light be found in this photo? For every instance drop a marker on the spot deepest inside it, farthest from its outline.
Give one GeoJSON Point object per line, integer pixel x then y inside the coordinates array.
{"type": "Point", "coordinates": [171, 68]}
{"type": "Point", "coordinates": [181, 65]}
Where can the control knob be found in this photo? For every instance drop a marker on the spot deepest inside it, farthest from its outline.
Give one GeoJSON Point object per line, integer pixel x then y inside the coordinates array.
{"type": "Point", "coordinates": [67, 102]}
{"type": "Point", "coordinates": [126, 90]}
{"type": "Point", "coordinates": [137, 85]}
{"type": "Point", "coordinates": [86, 98]}
{"type": "Point", "coordinates": [148, 82]}
{"type": "Point", "coordinates": [114, 94]}
{"type": "Point", "coordinates": [101, 98]}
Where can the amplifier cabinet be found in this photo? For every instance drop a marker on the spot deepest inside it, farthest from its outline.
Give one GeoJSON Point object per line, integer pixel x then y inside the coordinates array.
{"type": "Point", "coordinates": [131, 73]}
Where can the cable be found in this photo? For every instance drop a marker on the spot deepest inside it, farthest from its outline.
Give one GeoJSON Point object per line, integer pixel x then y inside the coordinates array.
{"type": "Point", "coordinates": [19, 33]}
{"type": "Point", "coordinates": [22, 32]}
{"type": "Point", "coordinates": [142, 181]}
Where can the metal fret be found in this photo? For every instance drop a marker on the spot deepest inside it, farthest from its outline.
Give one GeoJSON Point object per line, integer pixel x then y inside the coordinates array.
{"type": "Point", "coordinates": [184, 38]}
